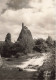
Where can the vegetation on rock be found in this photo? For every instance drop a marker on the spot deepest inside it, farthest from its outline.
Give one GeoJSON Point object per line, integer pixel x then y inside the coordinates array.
{"type": "Point", "coordinates": [25, 39]}
{"type": "Point", "coordinates": [6, 50]}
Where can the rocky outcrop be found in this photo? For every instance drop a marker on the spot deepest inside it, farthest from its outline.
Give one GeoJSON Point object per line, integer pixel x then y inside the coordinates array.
{"type": "Point", "coordinates": [25, 39]}
{"type": "Point", "coordinates": [6, 49]}
{"type": "Point", "coordinates": [8, 38]}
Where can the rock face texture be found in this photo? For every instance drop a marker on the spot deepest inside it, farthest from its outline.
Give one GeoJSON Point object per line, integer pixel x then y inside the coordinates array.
{"type": "Point", "coordinates": [25, 39]}
{"type": "Point", "coordinates": [7, 46]}
{"type": "Point", "coordinates": [8, 38]}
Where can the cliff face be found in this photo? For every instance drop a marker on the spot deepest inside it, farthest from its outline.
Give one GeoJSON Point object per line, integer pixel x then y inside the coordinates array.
{"type": "Point", "coordinates": [25, 39]}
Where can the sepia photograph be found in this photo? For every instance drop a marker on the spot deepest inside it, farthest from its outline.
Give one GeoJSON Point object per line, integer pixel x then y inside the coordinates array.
{"type": "Point", "coordinates": [27, 40]}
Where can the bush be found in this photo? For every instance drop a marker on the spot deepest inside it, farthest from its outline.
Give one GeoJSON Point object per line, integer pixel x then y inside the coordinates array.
{"type": "Point", "coordinates": [1, 46]}
{"type": "Point", "coordinates": [50, 42]}
{"type": "Point", "coordinates": [41, 46]}
{"type": "Point", "coordinates": [6, 50]}
{"type": "Point", "coordinates": [16, 48]}
{"type": "Point", "coordinates": [48, 67]}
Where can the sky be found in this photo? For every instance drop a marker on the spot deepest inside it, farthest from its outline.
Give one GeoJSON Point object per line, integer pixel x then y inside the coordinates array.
{"type": "Point", "coordinates": [38, 15]}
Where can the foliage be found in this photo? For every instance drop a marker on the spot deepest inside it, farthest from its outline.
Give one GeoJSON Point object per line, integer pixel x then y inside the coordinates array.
{"type": "Point", "coordinates": [25, 39]}
{"type": "Point", "coordinates": [1, 46]}
{"type": "Point", "coordinates": [6, 50]}
{"type": "Point", "coordinates": [41, 45]}
{"type": "Point", "coordinates": [50, 42]}
{"type": "Point", "coordinates": [16, 47]}
{"type": "Point", "coordinates": [48, 66]}
{"type": "Point", "coordinates": [8, 38]}
{"type": "Point", "coordinates": [26, 44]}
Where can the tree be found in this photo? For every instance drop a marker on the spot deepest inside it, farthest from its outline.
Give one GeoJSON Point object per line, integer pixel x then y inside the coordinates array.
{"type": "Point", "coordinates": [16, 48]}
{"type": "Point", "coordinates": [40, 45]}
{"type": "Point", "coordinates": [50, 42]}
